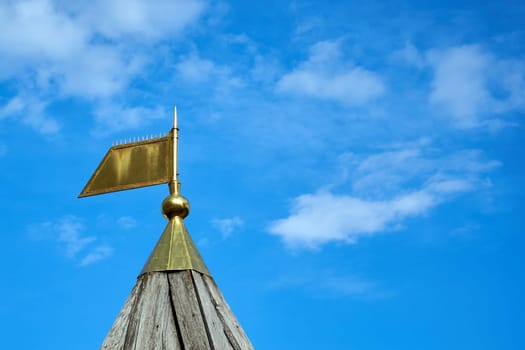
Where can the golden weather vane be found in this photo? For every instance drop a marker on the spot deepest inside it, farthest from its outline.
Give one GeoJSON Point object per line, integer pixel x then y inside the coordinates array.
{"type": "Point", "coordinates": [147, 163]}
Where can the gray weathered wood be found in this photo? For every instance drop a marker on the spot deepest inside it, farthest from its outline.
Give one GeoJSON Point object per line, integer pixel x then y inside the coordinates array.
{"type": "Point", "coordinates": [153, 324]}
{"type": "Point", "coordinates": [120, 326]}
{"type": "Point", "coordinates": [215, 325]}
{"type": "Point", "coordinates": [188, 312]}
{"type": "Point", "coordinates": [177, 310]}
{"type": "Point", "coordinates": [233, 329]}
{"type": "Point", "coordinates": [150, 320]}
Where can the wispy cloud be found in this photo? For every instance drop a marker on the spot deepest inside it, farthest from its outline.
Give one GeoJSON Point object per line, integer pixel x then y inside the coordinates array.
{"type": "Point", "coordinates": [228, 225]}
{"type": "Point", "coordinates": [327, 283]}
{"type": "Point", "coordinates": [197, 70]}
{"type": "Point", "coordinates": [387, 189]}
{"type": "Point", "coordinates": [67, 232]}
{"type": "Point", "coordinates": [112, 117]}
{"type": "Point", "coordinates": [460, 82]}
{"type": "Point", "coordinates": [122, 19]}
{"type": "Point", "coordinates": [385, 173]}
{"type": "Point", "coordinates": [471, 84]}
{"type": "Point", "coordinates": [127, 222]}
{"type": "Point", "coordinates": [31, 112]}
{"type": "Point", "coordinates": [123, 222]}
{"type": "Point", "coordinates": [466, 231]}
{"type": "Point", "coordinates": [411, 55]}
{"type": "Point", "coordinates": [38, 28]}
{"type": "Point", "coordinates": [97, 254]}
{"type": "Point", "coordinates": [325, 75]}
{"type": "Point", "coordinates": [306, 26]}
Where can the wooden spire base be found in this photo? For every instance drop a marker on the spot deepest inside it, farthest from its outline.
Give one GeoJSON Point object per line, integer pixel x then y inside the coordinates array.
{"type": "Point", "coordinates": [176, 310]}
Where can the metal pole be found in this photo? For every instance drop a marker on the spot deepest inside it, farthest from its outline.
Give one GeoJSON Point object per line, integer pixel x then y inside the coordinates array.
{"type": "Point", "coordinates": [174, 183]}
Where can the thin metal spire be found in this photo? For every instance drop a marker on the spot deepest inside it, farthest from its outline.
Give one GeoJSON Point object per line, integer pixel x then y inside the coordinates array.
{"type": "Point", "coordinates": [174, 184]}
{"type": "Point", "coordinates": [175, 146]}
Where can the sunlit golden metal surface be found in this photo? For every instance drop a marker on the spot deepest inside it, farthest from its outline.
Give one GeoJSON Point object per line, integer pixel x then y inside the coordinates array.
{"type": "Point", "coordinates": [133, 165]}
{"type": "Point", "coordinates": [175, 205]}
{"type": "Point", "coordinates": [175, 251]}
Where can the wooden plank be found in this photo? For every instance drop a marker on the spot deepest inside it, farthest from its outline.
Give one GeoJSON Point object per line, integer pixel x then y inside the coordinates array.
{"type": "Point", "coordinates": [188, 312]}
{"type": "Point", "coordinates": [116, 334]}
{"type": "Point", "coordinates": [150, 323]}
{"type": "Point", "coordinates": [180, 310]}
{"type": "Point", "coordinates": [215, 327]}
{"type": "Point", "coordinates": [156, 325]}
{"type": "Point", "coordinates": [232, 328]}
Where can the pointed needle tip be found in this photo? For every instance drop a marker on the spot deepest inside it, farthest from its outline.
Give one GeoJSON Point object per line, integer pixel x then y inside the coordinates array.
{"type": "Point", "coordinates": [175, 124]}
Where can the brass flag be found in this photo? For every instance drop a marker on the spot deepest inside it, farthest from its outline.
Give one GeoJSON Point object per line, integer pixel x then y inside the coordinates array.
{"type": "Point", "coordinates": [133, 165]}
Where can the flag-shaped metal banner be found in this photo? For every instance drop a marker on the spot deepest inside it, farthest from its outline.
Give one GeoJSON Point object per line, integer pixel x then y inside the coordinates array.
{"type": "Point", "coordinates": [133, 165]}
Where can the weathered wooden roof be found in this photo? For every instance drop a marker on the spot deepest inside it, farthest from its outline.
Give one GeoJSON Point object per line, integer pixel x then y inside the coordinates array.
{"type": "Point", "coordinates": [175, 303]}
{"type": "Point", "coordinates": [176, 310]}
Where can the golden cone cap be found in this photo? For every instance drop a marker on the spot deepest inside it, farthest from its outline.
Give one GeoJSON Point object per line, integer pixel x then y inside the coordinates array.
{"type": "Point", "coordinates": [175, 251]}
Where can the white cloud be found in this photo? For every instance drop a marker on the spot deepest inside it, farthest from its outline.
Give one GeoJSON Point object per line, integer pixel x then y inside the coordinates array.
{"type": "Point", "coordinates": [111, 117]}
{"type": "Point", "coordinates": [55, 49]}
{"type": "Point", "coordinates": [31, 112]}
{"type": "Point", "coordinates": [460, 81]}
{"type": "Point", "coordinates": [325, 75]}
{"type": "Point", "coordinates": [126, 222]}
{"type": "Point", "coordinates": [472, 84]}
{"type": "Point", "coordinates": [67, 232]}
{"type": "Point", "coordinates": [410, 55]}
{"type": "Point", "coordinates": [12, 107]}
{"type": "Point", "coordinates": [99, 71]}
{"type": "Point", "coordinates": [466, 231]}
{"type": "Point", "coordinates": [329, 284]}
{"type": "Point", "coordinates": [195, 69]}
{"type": "Point", "coordinates": [37, 30]}
{"type": "Point", "coordinates": [348, 286]}
{"type": "Point", "coordinates": [97, 254]}
{"type": "Point", "coordinates": [386, 173]}
{"type": "Point", "coordinates": [61, 30]}
{"type": "Point", "coordinates": [203, 242]}
{"type": "Point", "coordinates": [120, 18]}
{"type": "Point", "coordinates": [306, 26]}
{"type": "Point", "coordinates": [265, 69]}
{"type": "Point", "coordinates": [323, 217]}
{"type": "Point", "coordinates": [228, 225]}
{"type": "Point", "coordinates": [387, 189]}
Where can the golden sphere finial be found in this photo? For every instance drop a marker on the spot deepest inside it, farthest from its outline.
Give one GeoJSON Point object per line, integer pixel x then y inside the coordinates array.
{"type": "Point", "coordinates": [175, 205]}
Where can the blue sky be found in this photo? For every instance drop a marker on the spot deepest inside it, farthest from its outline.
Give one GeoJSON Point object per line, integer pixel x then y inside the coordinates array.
{"type": "Point", "coordinates": [355, 169]}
